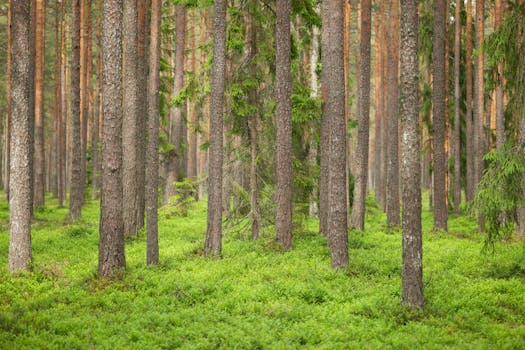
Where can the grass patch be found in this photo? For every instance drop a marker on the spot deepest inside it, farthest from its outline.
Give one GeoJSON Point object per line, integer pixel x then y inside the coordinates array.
{"type": "Point", "coordinates": [256, 296]}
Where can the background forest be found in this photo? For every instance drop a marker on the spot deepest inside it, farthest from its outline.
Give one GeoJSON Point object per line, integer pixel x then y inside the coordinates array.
{"type": "Point", "coordinates": [262, 174]}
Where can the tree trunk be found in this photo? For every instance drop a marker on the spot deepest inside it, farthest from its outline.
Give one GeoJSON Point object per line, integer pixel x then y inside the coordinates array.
{"type": "Point", "coordinates": [253, 124]}
{"type": "Point", "coordinates": [500, 106]}
{"type": "Point", "coordinates": [457, 101]}
{"type": "Point", "coordinates": [283, 218]}
{"type": "Point", "coordinates": [77, 187]}
{"type": "Point", "coordinates": [192, 109]}
{"type": "Point", "coordinates": [95, 142]}
{"type": "Point", "coordinates": [470, 190]}
{"type": "Point", "coordinates": [361, 178]}
{"type": "Point", "coordinates": [142, 123]}
{"type": "Point", "coordinates": [384, 107]}
{"type": "Point", "coordinates": [152, 157]}
{"type": "Point", "coordinates": [412, 271]}
{"type": "Point", "coordinates": [131, 115]}
{"type": "Point", "coordinates": [85, 73]}
{"type": "Point", "coordinates": [334, 110]}
{"type": "Point", "coordinates": [32, 64]}
{"type": "Point", "coordinates": [314, 86]}
{"type": "Point", "coordinates": [39, 190]}
{"type": "Point", "coordinates": [20, 201]}
{"type": "Point", "coordinates": [377, 111]}
{"type": "Point", "coordinates": [111, 244]}
{"type": "Point", "coordinates": [480, 105]}
{"type": "Point", "coordinates": [8, 107]}
{"type": "Point", "coordinates": [392, 200]}
{"type": "Point", "coordinates": [213, 244]}
{"type": "Point", "coordinates": [438, 115]}
{"type": "Point", "coordinates": [64, 111]}
{"type": "Point", "coordinates": [57, 110]}
{"type": "Point", "coordinates": [176, 156]}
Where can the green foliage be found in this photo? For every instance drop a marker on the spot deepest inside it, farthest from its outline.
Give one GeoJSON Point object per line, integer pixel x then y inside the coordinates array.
{"type": "Point", "coordinates": [258, 297]}
{"type": "Point", "coordinates": [77, 230]}
{"type": "Point", "coordinates": [180, 204]}
{"type": "Point", "coordinates": [500, 192]}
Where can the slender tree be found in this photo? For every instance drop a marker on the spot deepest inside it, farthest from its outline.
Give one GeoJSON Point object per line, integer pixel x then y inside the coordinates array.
{"type": "Point", "coordinates": [479, 103]}
{"type": "Point", "coordinates": [111, 244]}
{"type": "Point", "coordinates": [76, 184]}
{"type": "Point", "coordinates": [378, 27]}
{"type": "Point", "coordinates": [438, 117]}
{"type": "Point", "coordinates": [176, 156]}
{"type": "Point", "coordinates": [64, 109]}
{"type": "Point", "coordinates": [283, 223]}
{"type": "Point", "coordinates": [131, 115]}
{"type": "Point", "coordinates": [457, 100]}
{"type": "Point", "coordinates": [95, 140]}
{"type": "Point", "coordinates": [213, 244]}
{"type": "Point", "coordinates": [253, 124]}
{"type": "Point", "coordinates": [85, 74]}
{"type": "Point", "coordinates": [500, 108]}
{"type": "Point", "coordinates": [412, 271]}
{"type": "Point", "coordinates": [152, 158]}
{"type": "Point", "coordinates": [314, 86]}
{"type": "Point", "coordinates": [392, 188]}
{"type": "Point", "coordinates": [324, 176]}
{"type": "Point", "coordinates": [470, 189]}
{"type": "Point", "coordinates": [39, 163]}
{"type": "Point", "coordinates": [334, 111]}
{"type": "Point", "coordinates": [142, 124]}
{"type": "Point", "coordinates": [20, 201]}
{"type": "Point", "coordinates": [8, 107]}
{"type": "Point", "coordinates": [193, 115]}
{"type": "Point", "coordinates": [58, 103]}
{"type": "Point", "coordinates": [361, 178]}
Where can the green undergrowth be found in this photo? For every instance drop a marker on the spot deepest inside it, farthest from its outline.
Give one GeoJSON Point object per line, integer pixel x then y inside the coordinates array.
{"type": "Point", "coordinates": [256, 297]}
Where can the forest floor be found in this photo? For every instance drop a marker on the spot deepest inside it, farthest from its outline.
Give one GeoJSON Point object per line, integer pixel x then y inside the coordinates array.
{"type": "Point", "coordinates": [256, 297]}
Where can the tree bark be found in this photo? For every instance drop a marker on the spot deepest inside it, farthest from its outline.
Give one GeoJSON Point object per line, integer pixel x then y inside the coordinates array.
{"type": "Point", "coordinates": [438, 116]}
{"type": "Point", "coordinates": [57, 102]}
{"type": "Point", "coordinates": [85, 74]}
{"type": "Point", "coordinates": [8, 107]}
{"type": "Point", "coordinates": [392, 195]}
{"type": "Point", "coordinates": [20, 201]}
{"type": "Point", "coordinates": [480, 104]}
{"type": "Point", "coordinates": [384, 107]}
{"type": "Point", "coordinates": [334, 110]}
{"type": "Point", "coordinates": [378, 26]}
{"type": "Point", "coordinates": [283, 218]}
{"type": "Point", "coordinates": [471, 180]}
{"type": "Point", "coordinates": [500, 107]}
{"type": "Point", "coordinates": [131, 115]}
{"type": "Point", "coordinates": [76, 187]}
{"type": "Point", "coordinates": [253, 124]}
{"type": "Point", "coordinates": [412, 270]}
{"type": "Point", "coordinates": [457, 101]}
{"type": "Point", "coordinates": [142, 123]}
{"type": "Point", "coordinates": [361, 178]}
{"type": "Point", "coordinates": [213, 244]}
{"type": "Point", "coordinates": [152, 157]}
{"type": "Point", "coordinates": [95, 141]}
{"type": "Point", "coordinates": [39, 190]}
{"type": "Point", "coordinates": [64, 111]}
{"type": "Point", "coordinates": [111, 243]}
{"type": "Point", "coordinates": [192, 109]}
